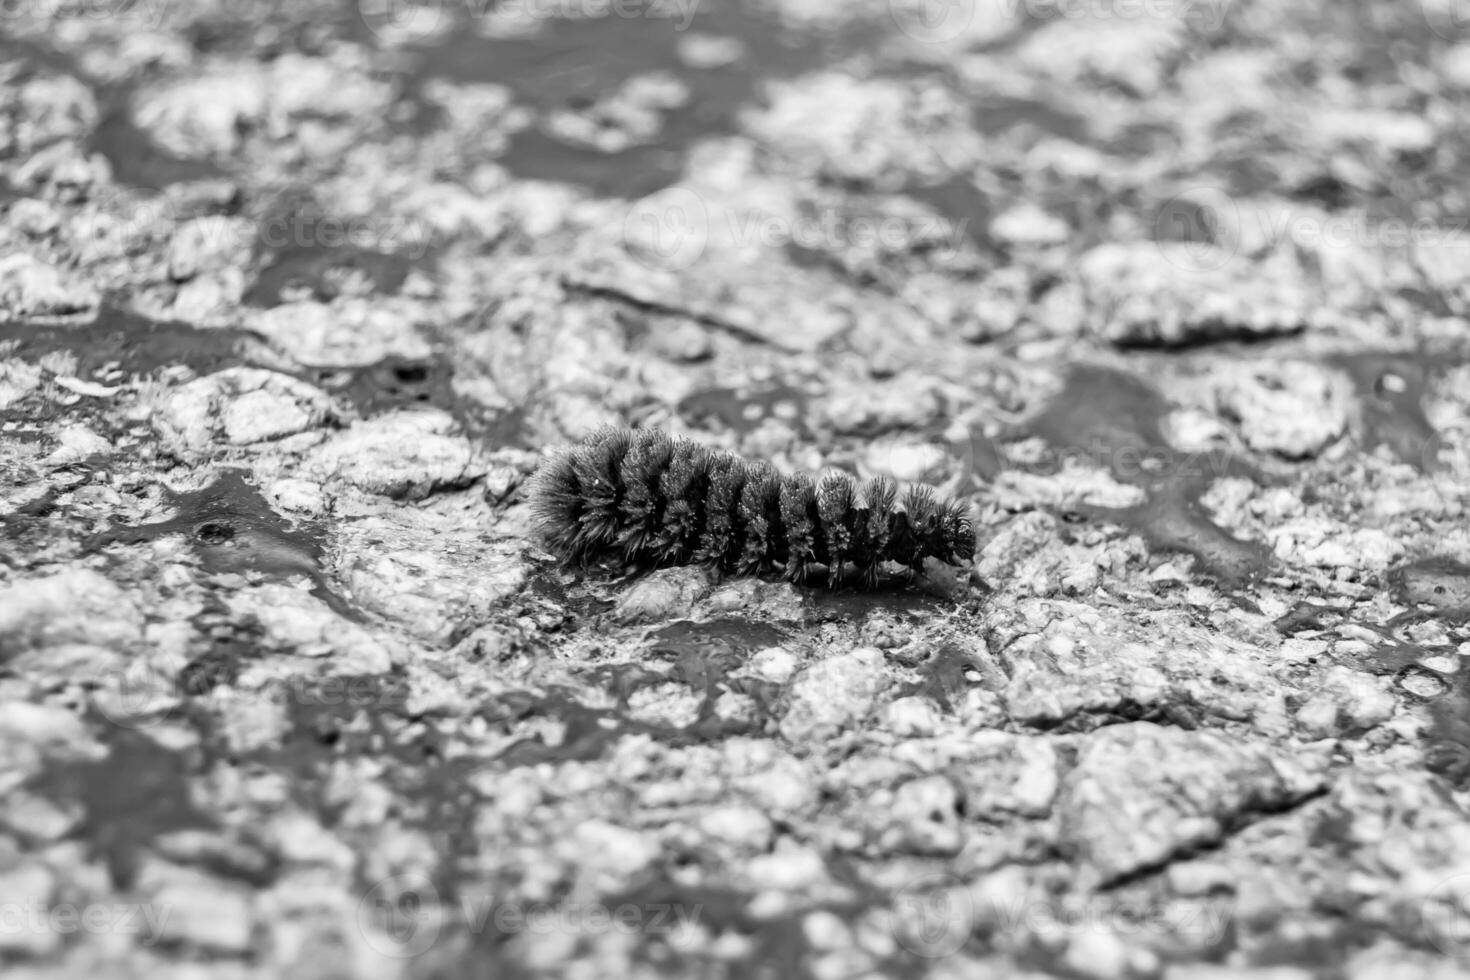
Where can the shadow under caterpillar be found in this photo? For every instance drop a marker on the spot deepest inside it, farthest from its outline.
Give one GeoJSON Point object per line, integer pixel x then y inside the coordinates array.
{"type": "Point", "coordinates": [647, 499]}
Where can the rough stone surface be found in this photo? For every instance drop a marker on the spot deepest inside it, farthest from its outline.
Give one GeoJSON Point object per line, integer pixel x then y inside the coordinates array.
{"type": "Point", "coordinates": [1141, 793]}
{"type": "Point", "coordinates": [1292, 409]}
{"type": "Point", "coordinates": [294, 298]}
{"type": "Point", "coordinates": [408, 455]}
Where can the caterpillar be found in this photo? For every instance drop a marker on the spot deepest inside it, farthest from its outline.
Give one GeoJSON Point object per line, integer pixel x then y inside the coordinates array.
{"type": "Point", "coordinates": [649, 500]}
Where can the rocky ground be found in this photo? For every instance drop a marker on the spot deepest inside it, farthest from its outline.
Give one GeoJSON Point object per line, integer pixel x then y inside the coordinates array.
{"type": "Point", "coordinates": [294, 297]}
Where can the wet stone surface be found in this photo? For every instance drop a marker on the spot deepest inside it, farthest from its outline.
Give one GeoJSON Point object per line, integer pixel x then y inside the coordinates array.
{"type": "Point", "coordinates": [294, 301]}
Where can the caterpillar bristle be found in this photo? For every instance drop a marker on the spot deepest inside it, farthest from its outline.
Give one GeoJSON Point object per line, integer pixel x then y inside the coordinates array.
{"type": "Point", "coordinates": [645, 499]}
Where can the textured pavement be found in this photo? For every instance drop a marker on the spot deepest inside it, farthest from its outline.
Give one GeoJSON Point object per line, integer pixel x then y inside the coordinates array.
{"type": "Point", "coordinates": [295, 297]}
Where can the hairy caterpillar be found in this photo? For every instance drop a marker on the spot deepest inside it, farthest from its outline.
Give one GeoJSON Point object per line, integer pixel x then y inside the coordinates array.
{"type": "Point", "coordinates": [647, 499]}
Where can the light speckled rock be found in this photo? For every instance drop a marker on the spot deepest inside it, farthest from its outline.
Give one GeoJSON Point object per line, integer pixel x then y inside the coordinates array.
{"type": "Point", "coordinates": [1346, 702]}
{"type": "Point", "coordinates": [240, 407]}
{"type": "Point", "coordinates": [1168, 294]}
{"type": "Point", "coordinates": [350, 332]}
{"type": "Point", "coordinates": [912, 716]}
{"type": "Point", "coordinates": [30, 287]}
{"type": "Point", "coordinates": [830, 124]}
{"type": "Point", "coordinates": [17, 380]}
{"type": "Point", "coordinates": [304, 624]}
{"type": "Point", "coordinates": [34, 217]}
{"type": "Point", "coordinates": [922, 816]}
{"type": "Point", "coordinates": [833, 694]}
{"type": "Point", "coordinates": [79, 606]}
{"type": "Point", "coordinates": [1122, 45]}
{"type": "Point", "coordinates": [46, 726]}
{"type": "Point", "coordinates": [427, 573]}
{"type": "Point", "coordinates": [406, 455]}
{"type": "Point", "coordinates": [1290, 408]}
{"type": "Point", "coordinates": [204, 115]}
{"type": "Point", "coordinates": [208, 244]}
{"type": "Point", "coordinates": [741, 826]}
{"type": "Point", "coordinates": [1141, 794]}
{"type": "Point", "coordinates": [662, 595]}
{"type": "Point", "coordinates": [872, 235]}
{"type": "Point", "coordinates": [611, 852]}
{"type": "Point", "coordinates": [1028, 225]}
{"type": "Point", "coordinates": [29, 930]}
{"type": "Point", "coordinates": [867, 409]}
{"type": "Point", "coordinates": [1065, 659]}
{"type": "Point", "coordinates": [1097, 953]}
{"type": "Point", "coordinates": [774, 664]}
{"type": "Point", "coordinates": [204, 913]}
{"type": "Point", "coordinates": [740, 299]}
{"type": "Point", "coordinates": [1328, 543]}
{"type": "Point", "coordinates": [1010, 775]}
{"type": "Point", "coordinates": [76, 443]}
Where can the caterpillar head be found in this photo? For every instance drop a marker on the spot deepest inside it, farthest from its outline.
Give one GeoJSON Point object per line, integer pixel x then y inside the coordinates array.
{"type": "Point", "coordinates": [957, 535]}
{"type": "Point", "coordinates": [938, 530]}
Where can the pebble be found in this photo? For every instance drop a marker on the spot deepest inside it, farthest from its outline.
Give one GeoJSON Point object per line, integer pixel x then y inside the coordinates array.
{"type": "Point", "coordinates": [1097, 954]}
{"type": "Point", "coordinates": [925, 815]}
{"type": "Point", "coordinates": [833, 694]}
{"type": "Point", "coordinates": [30, 287]}
{"type": "Point", "coordinates": [1163, 294]}
{"type": "Point", "coordinates": [240, 406]}
{"type": "Point", "coordinates": [1141, 792]}
{"type": "Point", "coordinates": [1029, 225]}
{"type": "Point", "coordinates": [76, 606]}
{"type": "Point", "coordinates": [204, 913]}
{"type": "Point", "coordinates": [406, 455]}
{"type": "Point", "coordinates": [1289, 408]}
{"type": "Point", "coordinates": [774, 664]}
{"type": "Point", "coordinates": [916, 716]}
{"type": "Point", "coordinates": [741, 826]}
{"type": "Point", "coordinates": [661, 595]}
{"type": "Point", "coordinates": [208, 244]}
{"type": "Point", "coordinates": [31, 925]}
